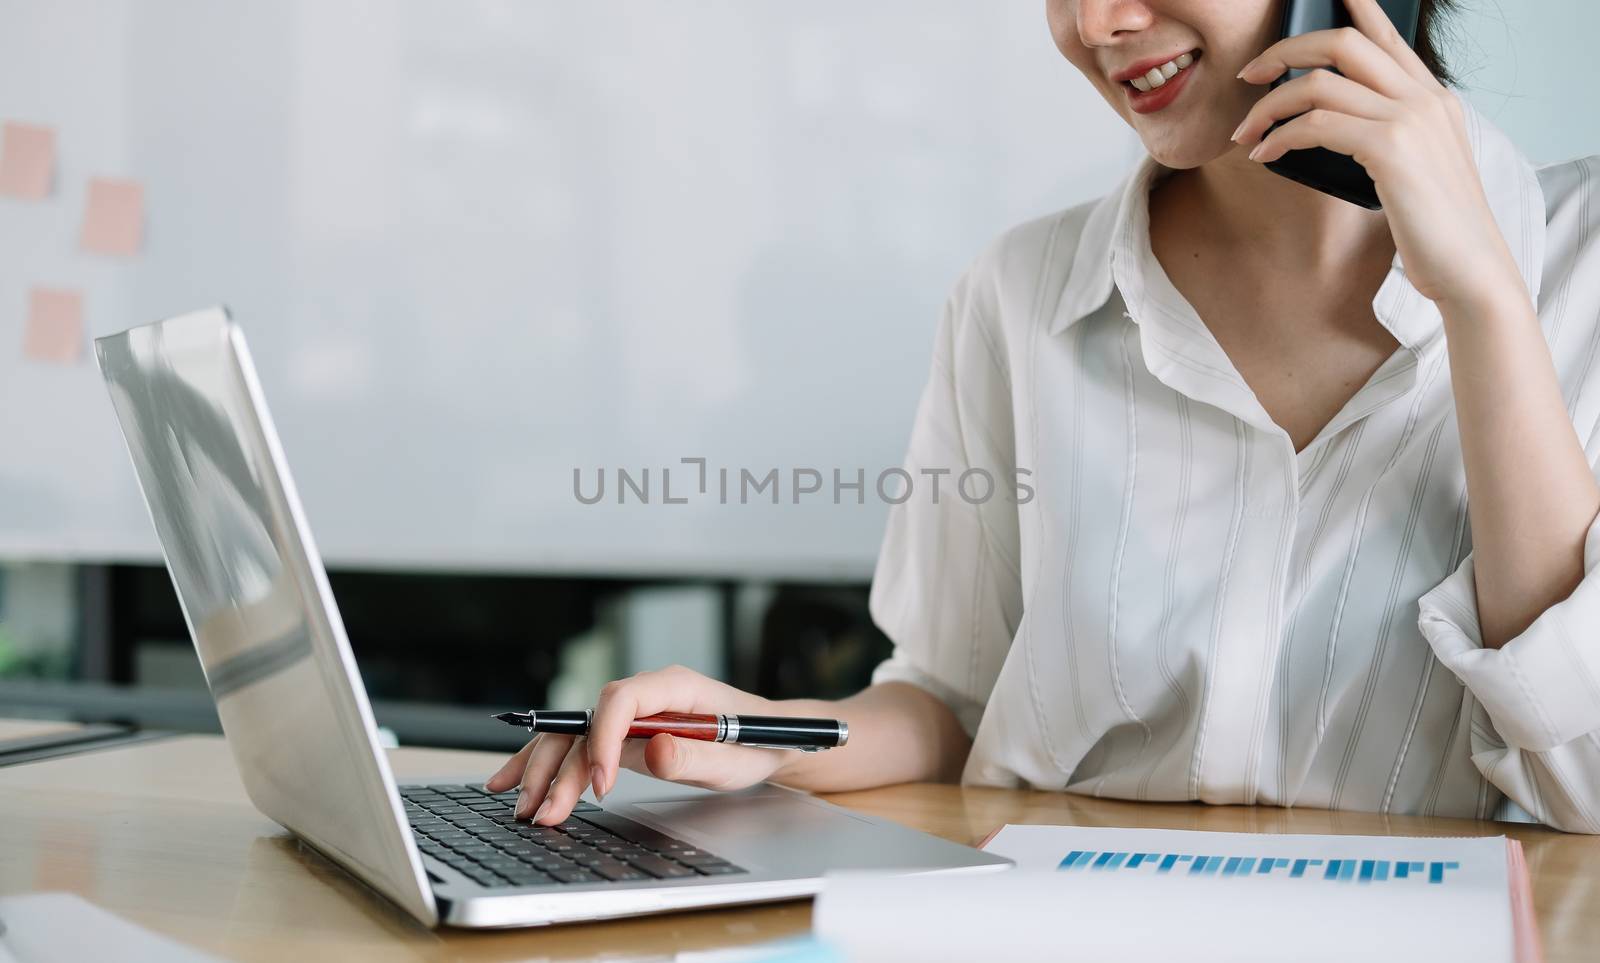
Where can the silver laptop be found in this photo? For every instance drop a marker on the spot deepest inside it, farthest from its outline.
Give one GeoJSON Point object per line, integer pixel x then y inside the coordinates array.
{"type": "Point", "coordinates": [257, 603]}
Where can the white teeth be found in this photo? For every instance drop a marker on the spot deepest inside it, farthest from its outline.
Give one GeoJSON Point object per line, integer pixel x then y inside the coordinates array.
{"type": "Point", "coordinates": [1158, 76]}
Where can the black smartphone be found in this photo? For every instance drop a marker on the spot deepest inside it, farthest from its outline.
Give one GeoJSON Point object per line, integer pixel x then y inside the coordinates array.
{"type": "Point", "coordinates": [1329, 171]}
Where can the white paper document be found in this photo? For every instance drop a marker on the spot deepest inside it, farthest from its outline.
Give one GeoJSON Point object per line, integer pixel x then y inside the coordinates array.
{"type": "Point", "coordinates": [65, 928]}
{"type": "Point", "coordinates": [1138, 894]}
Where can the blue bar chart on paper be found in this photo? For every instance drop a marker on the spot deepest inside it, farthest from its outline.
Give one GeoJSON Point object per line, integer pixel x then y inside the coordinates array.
{"type": "Point", "coordinates": [1342, 870]}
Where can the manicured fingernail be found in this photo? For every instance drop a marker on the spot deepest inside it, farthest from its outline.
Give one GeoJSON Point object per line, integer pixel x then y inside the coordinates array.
{"type": "Point", "coordinates": [543, 808]}
{"type": "Point", "coordinates": [1257, 151]}
{"type": "Point", "coordinates": [597, 779]}
{"type": "Point", "coordinates": [1235, 135]}
{"type": "Point", "coordinates": [521, 808]}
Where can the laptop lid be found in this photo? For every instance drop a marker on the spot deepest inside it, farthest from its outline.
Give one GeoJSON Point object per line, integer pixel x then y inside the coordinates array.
{"type": "Point", "coordinates": [256, 598]}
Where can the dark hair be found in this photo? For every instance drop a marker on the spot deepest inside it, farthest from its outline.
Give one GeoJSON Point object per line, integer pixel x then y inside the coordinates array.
{"type": "Point", "coordinates": [1431, 20]}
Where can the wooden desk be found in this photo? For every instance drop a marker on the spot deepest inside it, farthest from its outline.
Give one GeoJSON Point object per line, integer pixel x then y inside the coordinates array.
{"type": "Point", "coordinates": [28, 728]}
{"type": "Point", "coordinates": [161, 833]}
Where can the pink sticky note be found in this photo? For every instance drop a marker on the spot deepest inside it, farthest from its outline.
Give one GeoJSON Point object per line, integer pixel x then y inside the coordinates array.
{"type": "Point", "coordinates": [113, 218]}
{"type": "Point", "coordinates": [55, 325]}
{"type": "Point", "coordinates": [27, 160]}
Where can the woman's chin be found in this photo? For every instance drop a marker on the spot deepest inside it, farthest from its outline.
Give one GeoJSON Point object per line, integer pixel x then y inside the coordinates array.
{"type": "Point", "coordinates": [1188, 153]}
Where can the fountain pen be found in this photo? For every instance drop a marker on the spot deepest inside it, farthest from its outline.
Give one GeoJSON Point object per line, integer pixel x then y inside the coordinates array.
{"type": "Point", "coordinates": [768, 732]}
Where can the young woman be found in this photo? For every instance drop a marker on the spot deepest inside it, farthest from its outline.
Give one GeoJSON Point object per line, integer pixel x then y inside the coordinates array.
{"type": "Point", "coordinates": [1314, 518]}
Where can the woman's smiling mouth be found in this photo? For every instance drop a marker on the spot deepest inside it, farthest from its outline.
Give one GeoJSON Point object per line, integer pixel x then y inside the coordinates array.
{"type": "Point", "coordinates": [1152, 86]}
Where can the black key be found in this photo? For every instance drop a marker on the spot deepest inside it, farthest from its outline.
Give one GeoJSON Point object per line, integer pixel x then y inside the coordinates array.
{"type": "Point", "coordinates": [548, 865]}
{"type": "Point", "coordinates": [527, 877]}
{"type": "Point", "coordinates": [661, 868]}
{"type": "Point", "coordinates": [543, 859]}
{"type": "Point", "coordinates": [505, 866]}
{"type": "Point", "coordinates": [585, 807]}
{"type": "Point", "coordinates": [617, 872]}
{"type": "Point", "coordinates": [717, 869]}
{"type": "Point", "coordinates": [588, 859]}
{"type": "Point", "coordinates": [575, 876]}
{"type": "Point", "coordinates": [630, 830]}
{"type": "Point", "coordinates": [697, 859]}
{"type": "Point", "coordinates": [485, 877]}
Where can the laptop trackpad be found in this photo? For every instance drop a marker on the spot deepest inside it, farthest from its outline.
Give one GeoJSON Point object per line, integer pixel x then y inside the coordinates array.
{"type": "Point", "coordinates": [779, 827]}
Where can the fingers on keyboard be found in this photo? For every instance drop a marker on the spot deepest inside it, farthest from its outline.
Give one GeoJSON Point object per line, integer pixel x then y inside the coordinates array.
{"type": "Point", "coordinates": [471, 831]}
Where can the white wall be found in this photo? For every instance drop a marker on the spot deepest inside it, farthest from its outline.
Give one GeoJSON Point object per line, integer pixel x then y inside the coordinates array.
{"type": "Point", "coordinates": [476, 245]}
{"type": "Point", "coordinates": [479, 244]}
{"type": "Point", "coordinates": [1527, 65]}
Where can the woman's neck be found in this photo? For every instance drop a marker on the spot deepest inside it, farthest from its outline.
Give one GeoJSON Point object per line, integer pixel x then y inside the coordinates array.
{"type": "Point", "coordinates": [1237, 205]}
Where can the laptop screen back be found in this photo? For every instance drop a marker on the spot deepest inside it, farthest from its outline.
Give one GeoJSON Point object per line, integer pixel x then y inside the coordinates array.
{"type": "Point", "coordinates": [255, 596]}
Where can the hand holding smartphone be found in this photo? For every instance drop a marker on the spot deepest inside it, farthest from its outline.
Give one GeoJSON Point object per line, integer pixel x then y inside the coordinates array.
{"type": "Point", "coordinates": [1328, 171]}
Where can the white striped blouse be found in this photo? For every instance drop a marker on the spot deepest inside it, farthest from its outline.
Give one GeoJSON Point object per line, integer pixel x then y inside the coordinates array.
{"type": "Point", "coordinates": [1186, 608]}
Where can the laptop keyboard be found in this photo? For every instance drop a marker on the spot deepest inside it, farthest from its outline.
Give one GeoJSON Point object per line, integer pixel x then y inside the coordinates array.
{"type": "Point", "coordinates": [472, 831]}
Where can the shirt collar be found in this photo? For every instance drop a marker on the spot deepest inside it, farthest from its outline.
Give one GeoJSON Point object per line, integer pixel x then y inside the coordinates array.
{"type": "Point", "coordinates": [1510, 183]}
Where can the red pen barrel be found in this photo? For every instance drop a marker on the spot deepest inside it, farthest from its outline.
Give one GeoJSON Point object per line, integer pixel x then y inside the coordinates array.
{"type": "Point", "coordinates": [684, 725]}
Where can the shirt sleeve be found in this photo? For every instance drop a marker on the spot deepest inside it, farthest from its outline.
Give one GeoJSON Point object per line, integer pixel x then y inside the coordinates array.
{"type": "Point", "coordinates": [1536, 724]}
{"type": "Point", "coordinates": [947, 589]}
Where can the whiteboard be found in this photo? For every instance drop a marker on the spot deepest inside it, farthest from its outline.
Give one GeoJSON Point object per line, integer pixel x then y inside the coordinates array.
{"type": "Point", "coordinates": [478, 245]}
{"type": "Point", "coordinates": [475, 246]}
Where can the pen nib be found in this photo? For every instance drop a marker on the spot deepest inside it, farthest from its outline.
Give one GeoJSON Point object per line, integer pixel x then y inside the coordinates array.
{"type": "Point", "coordinates": [515, 718]}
